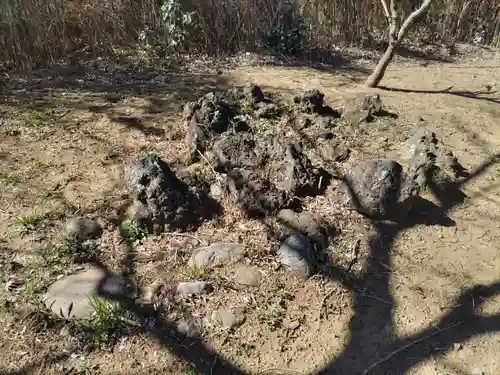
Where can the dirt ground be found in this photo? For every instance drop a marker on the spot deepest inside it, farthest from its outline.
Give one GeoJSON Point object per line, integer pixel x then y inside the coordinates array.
{"type": "Point", "coordinates": [425, 300]}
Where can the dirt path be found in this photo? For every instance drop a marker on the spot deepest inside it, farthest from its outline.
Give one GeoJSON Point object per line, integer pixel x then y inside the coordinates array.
{"type": "Point", "coordinates": [65, 157]}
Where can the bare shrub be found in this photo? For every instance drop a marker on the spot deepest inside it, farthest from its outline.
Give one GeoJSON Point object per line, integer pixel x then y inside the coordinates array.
{"type": "Point", "coordinates": [43, 31]}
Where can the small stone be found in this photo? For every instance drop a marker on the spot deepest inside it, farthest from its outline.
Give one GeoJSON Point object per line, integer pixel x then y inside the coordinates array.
{"type": "Point", "coordinates": [83, 228]}
{"type": "Point", "coordinates": [228, 318]}
{"type": "Point", "coordinates": [247, 275]}
{"type": "Point", "coordinates": [311, 225]}
{"type": "Point", "coordinates": [361, 107]}
{"type": "Point", "coordinates": [477, 371]}
{"type": "Point", "coordinates": [216, 254]}
{"type": "Point", "coordinates": [188, 328]}
{"type": "Point", "coordinates": [309, 101]}
{"type": "Point", "coordinates": [297, 255]}
{"type": "Point", "coordinates": [457, 346]}
{"type": "Point", "coordinates": [192, 287]}
{"type": "Point", "coordinates": [216, 190]}
{"type": "Point", "coordinates": [71, 296]}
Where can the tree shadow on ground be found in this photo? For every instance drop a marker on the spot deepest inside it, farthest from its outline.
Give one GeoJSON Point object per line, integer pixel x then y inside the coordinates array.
{"type": "Point", "coordinates": [104, 89]}
{"type": "Point", "coordinates": [414, 53]}
{"type": "Point", "coordinates": [374, 348]}
{"type": "Point", "coordinates": [319, 60]}
{"type": "Point", "coordinates": [476, 95]}
{"type": "Point", "coordinates": [337, 61]}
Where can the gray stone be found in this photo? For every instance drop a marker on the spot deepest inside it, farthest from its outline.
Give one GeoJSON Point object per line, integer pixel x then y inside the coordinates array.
{"type": "Point", "coordinates": [217, 254]}
{"type": "Point", "coordinates": [361, 107]}
{"type": "Point", "coordinates": [171, 202]}
{"type": "Point", "coordinates": [297, 255]}
{"type": "Point", "coordinates": [247, 275]}
{"type": "Point", "coordinates": [70, 297]}
{"type": "Point", "coordinates": [228, 318]}
{"type": "Point", "coordinates": [189, 328]}
{"type": "Point", "coordinates": [192, 287]}
{"type": "Point", "coordinates": [309, 101]}
{"type": "Point", "coordinates": [83, 228]}
{"type": "Point", "coordinates": [311, 225]}
{"type": "Point", "coordinates": [373, 187]}
{"type": "Point", "coordinates": [430, 160]}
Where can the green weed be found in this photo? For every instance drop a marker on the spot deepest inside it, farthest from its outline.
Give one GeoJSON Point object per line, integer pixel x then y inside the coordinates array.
{"type": "Point", "coordinates": [30, 222]}
{"type": "Point", "coordinates": [130, 231]}
{"type": "Point", "coordinates": [8, 177]}
{"type": "Point", "coordinates": [105, 326]}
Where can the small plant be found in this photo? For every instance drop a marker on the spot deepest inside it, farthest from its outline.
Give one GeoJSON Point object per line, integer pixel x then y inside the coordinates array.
{"type": "Point", "coordinates": [70, 249]}
{"type": "Point", "coordinates": [105, 325]}
{"type": "Point", "coordinates": [286, 35]}
{"type": "Point", "coordinates": [275, 303]}
{"type": "Point", "coordinates": [9, 177]}
{"type": "Point", "coordinates": [130, 232]}
{"type": "Point", "coordinates": [194, 273]}
{"type": "Point", "coordinates": [262, 125]}
{"type": "Point", "coordinates": [30, 222]}
{"type": "Point", "coordinates": [43, 165]}
{"type": "Point", "coordinates": [32, 288]}
{"type": "Point", "coordinates": [172, 32]}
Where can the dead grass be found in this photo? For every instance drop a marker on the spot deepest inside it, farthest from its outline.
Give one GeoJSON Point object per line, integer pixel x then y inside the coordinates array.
{"type": "Point", "coordinates": [64, 158]}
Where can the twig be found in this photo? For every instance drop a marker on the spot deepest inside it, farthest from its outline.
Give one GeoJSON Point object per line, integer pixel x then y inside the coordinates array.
{"type": "Point", "coordinates": [64, 114]}
{"type": "Point", "coordinates": [276, 370]}
{"type": "Point", "coordinates": [377, 298]}
{"type": "Point", "coordinates": [206, 161]}
{"type": "Point", "coordinates": [323, 301]}
{"type": "Point", "coordinates": [367, 371]}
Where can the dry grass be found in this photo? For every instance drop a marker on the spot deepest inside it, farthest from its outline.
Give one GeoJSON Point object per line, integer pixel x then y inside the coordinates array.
{"type": "Point", "coordinates": [42, 31]}
{"type": "Point", "coordinates": [54, 166]}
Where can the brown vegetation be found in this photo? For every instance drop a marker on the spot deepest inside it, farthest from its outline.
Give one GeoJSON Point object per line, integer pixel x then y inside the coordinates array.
{"type": "Point", "coordinates": [35, 31]}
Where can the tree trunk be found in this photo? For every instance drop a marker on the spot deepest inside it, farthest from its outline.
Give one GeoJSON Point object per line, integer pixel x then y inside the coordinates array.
{"type": "Point", "coordinates": [395, 37]}
{"type": "Point", "coordinates": [377, 75]}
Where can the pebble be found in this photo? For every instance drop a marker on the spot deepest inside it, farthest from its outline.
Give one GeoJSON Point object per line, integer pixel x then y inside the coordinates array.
{"type": "Point", "coordinates": [297, 255]}
{"type": "Point", "coordinates": [228, 318]}
{"type": "Point", "coordinates": [192, 287]}
{"type": "Point", "coordinates": [83, 228]}
{"type": "Point", "coordinates": [247, 275]}
{"type": "Point", "coordinates": [216, 254]}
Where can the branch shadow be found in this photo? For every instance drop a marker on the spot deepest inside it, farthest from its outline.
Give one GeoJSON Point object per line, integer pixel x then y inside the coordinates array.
{"type": "Point", "coordinates": [476, 95]}
{"type": "Point", "coordinates": [104, 89]}
{"type": "Point", "coordinates": [373, 347]}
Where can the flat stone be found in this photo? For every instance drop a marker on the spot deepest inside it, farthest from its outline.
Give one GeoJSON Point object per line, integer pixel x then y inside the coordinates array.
{"type": "Point", "coordinates": [83, 228]}
{"type": "Point", "coordinates": [228, 318]}
{"type": "Point", "coordinates": [192, 287]}
{"type": "Point", "coordinates": [189, 328]}
{"type": "Point", "coordinates": [217, 254]}
{"type": "Point", "coordinates": [70, 297]}
{"type": "Point", "coordinates": [247, 275]}
{"type": "Point", "coordinates": [297, 255]}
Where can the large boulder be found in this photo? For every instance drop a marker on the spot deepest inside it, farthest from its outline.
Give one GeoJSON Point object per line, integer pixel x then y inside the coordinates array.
{"type": "Point", "coordinates": [378, 188]}
{"type": "Point", "coordinates": [208, 116]}
{"type": "Point", "coordinates": [171, 202]}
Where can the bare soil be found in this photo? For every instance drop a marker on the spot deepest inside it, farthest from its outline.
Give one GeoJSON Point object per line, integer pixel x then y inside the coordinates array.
{"type": "Point", "coordinates": [420, 299]}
